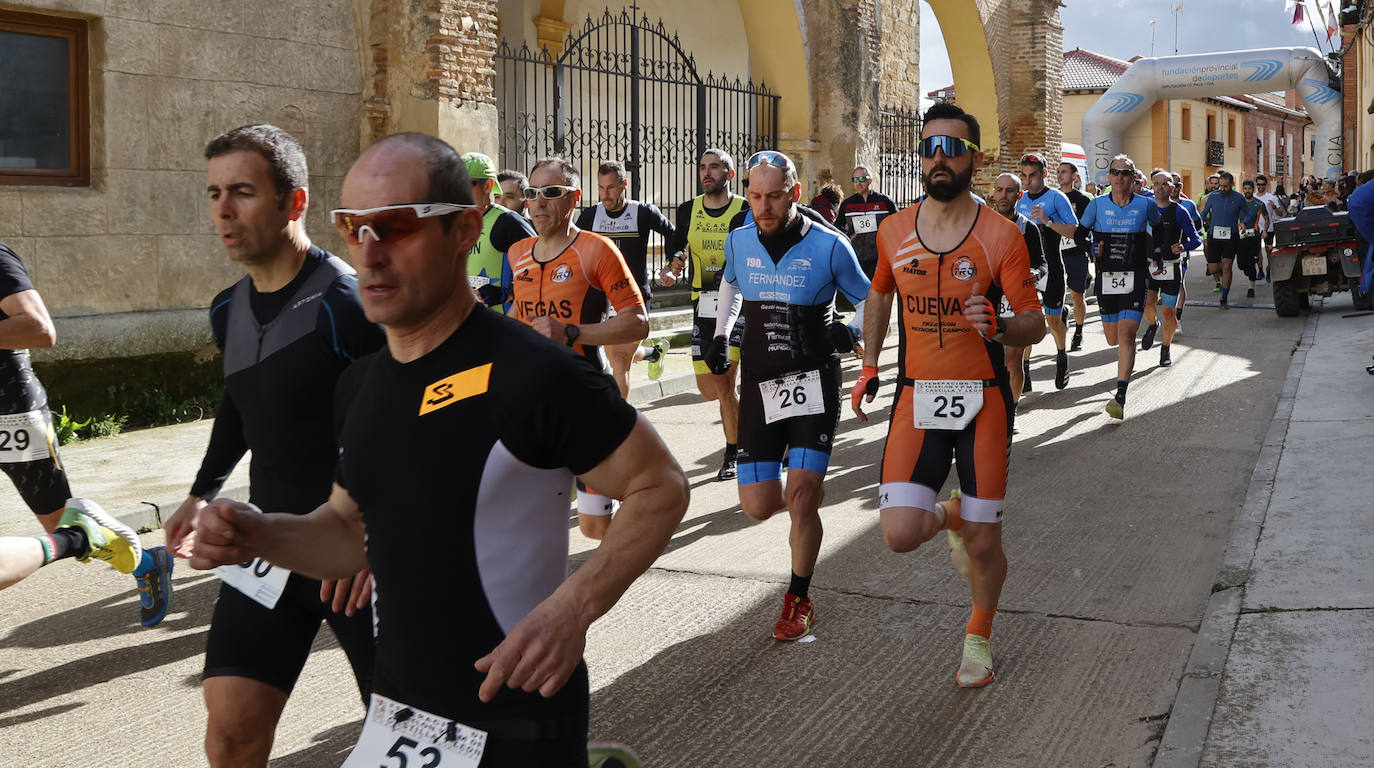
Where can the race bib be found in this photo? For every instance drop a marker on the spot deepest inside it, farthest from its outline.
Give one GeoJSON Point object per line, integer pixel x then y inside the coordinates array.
{"type": "Point", "coordinates": [946, 404]}
{"type": "Point", "coordinates": [23, 437]}
{"type": "Point", "coordinates": [258, 579]}
{"type": "Point", "coordinates": [796, 394]}
{"type": "Point", "coordinates": [1067, 244]}
{"type": "Point", "coordinates": [1004, 308]}
{"type": "Point", "coordinates": [1246, 234]}
{"type": "Point", "coordinates": [1042, 280]}
{"type": "Point", "coordinates": [397, 736]}
{"type": "Point", "coordinates": [865, 222]}
{"type": "Point", "coordinates": [706, 304]}
{"type": "Point", "coordinates": [1165, 273]}
{"type": "Point", "coordinates": [1118, 283]}
{"type": "Point", "coordinates": [1221, 233]}
{"type": "Point", "coordinates": [477, 281]}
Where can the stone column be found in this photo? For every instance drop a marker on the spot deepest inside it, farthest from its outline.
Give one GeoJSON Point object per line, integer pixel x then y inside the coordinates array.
{"type": "Point", "coordinates": [1027, 50]}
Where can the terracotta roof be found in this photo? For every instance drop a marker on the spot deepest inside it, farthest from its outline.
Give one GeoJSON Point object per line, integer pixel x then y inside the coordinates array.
{"type": "Point", "coordinates": [1085, 70]}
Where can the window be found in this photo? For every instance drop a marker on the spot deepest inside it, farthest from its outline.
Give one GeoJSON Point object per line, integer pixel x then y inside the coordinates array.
{"type": "Point", "coordinates": [1231, 131]}
{"type": "Point", "coordinates": [1187, 183]}
{"type": "Point", "coordinates": [1259, 154]}
{"type": "Point", "coordinates": [44, 131]}
{"type": "Point", "coordinates": [1212, 126]}
{"type": "Point", "coordinates": [1186, 123]}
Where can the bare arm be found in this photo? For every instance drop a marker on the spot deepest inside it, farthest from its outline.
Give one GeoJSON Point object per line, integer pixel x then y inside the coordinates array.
{"type": "Point", "coordinates": [27, 325]}
{"type": "Point", "coordinates": [877, 315]}
{"type": "Point", "coordinates": [1062, 229]}
{"type": "Point", "coordinates": [628, 326]}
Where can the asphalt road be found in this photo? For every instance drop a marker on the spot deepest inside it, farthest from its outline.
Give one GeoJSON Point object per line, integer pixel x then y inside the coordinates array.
{"type": "Point", "coordinates": [1114, 532]}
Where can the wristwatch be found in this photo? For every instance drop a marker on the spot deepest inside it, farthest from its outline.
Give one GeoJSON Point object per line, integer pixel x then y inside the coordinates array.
{"type": "Point", "coordinates": [1001, 328]}
{"type": "Point", "coordinates": [571, 332]}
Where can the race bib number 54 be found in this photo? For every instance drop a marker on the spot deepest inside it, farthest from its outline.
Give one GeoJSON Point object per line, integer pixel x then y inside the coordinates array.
{"type": "Point", "coordinates": [1118, 283]}
{"type": "Point", "coordinates": [946, 404]}
{"type": "Point", "coordinates": [796, 394]}
{"type": "Point", "coordinates": [397, 736]}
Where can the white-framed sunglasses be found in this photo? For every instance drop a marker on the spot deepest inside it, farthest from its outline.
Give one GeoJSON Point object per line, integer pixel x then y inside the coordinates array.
{"type": "Point", "coordinates": [551, 192]}
{"type": "Point", "coordinates": [388, 223]}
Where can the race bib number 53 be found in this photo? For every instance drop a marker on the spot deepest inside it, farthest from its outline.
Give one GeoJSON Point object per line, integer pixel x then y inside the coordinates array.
{"type": "Point", "coordinates": [946, 404]}
{"type": "Point", "coordinates": [796, 394]}
{"type": "Point", "coordinates": [397, 736]}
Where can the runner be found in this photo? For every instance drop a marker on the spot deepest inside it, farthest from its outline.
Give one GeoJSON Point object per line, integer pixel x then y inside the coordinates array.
{"type": "Point", "coordinates": [1191, 208]}
{"type": "Point", "coordinates": [564, 282]}
{"type": "Point", "coordinates": [1221, 214]}
{"type": "Point", "coordinates": [859, 215]}
{"type": "Point", "coordinates": [501, 228]}
{"type": "Point", "coordinates": [1172, 238]}
{"type": "Point", "coordinates": [287, 330]}
{"type": "Point", "coordinates": [512, 195]}
{"type": "Point", "coordinates": [83, 531]}
{"type": "Point", "coordinates": [1252, 226]}
{"type": "Point", "coordinates": [628, 224]}
{"type": "Point", "coordinates": [1118, 222]}
{"type": "Point", "coordinates": [31, 458]}
{"type": "Point", "coordinates": [950, 262]}
{"type": "Point", "coordinates": [1212, 184]}
{"type": "Point", "coordinates": [1074, 253]}
{"type": "Point", "coordinates": [787, 270]}
{"type": "Point", "coordinates": [1274, 209]}
{"type": "Point", "coordinates": [1051, 210]}
{"type": "Point", "coordinates": [699, 237]}
{"type": "Point", "coordinates": [1006, 194]}
{"type": "Point", "coordinates": [464, 499]}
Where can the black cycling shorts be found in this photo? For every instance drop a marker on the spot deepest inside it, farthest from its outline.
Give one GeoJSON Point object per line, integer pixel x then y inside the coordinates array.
{"type": "Point", "coordinates": [1167, 287]}
{"type": "Point", "coordinates": [1076, 270]}
{"type": "Point", "coordinates": [41, 482]}
{"type": "Point", "coordinates": [1113, 306]}
{"type": "Point", "coordinates": [1247, 256]}
{"type": "Point", "coordinates": [1221, 249]}
{"type": "Point", "coordinates": [805, 439]}
{"type": "Point", "coordinates": [271, 646]}
{"type": "Point", "coordinates": [704, 330]}
{"type": "Point", "coordinates": [1052, 298]}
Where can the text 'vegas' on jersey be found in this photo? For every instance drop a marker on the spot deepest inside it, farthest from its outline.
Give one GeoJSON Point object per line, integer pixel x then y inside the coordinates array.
{"type": "Point", "coordinates": [560, 309]}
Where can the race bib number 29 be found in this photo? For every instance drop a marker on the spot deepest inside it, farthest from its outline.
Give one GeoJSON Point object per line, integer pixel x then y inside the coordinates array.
{"type": "Point", "coordinates": [397, 736]}
{"type": "Point", "coordinates": [946, 404]}
{"type": "Point", "coordinates": [23, 437]}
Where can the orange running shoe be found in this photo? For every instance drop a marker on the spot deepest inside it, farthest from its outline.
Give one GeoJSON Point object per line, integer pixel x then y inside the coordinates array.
{"type": "Point", "coordinates": [798, 615]}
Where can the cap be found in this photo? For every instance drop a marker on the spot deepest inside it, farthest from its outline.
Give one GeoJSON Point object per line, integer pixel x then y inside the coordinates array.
{"type": "Point", "coordinates": [480, 167]}
{"type": "Point", "coordinates": [1030, 158]}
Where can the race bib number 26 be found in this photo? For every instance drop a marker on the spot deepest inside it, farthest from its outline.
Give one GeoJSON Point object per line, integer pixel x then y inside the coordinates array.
{"type": "Point", "coordinates": [397, 736]}
{"type": "Point", "coordinates": [796, 394]}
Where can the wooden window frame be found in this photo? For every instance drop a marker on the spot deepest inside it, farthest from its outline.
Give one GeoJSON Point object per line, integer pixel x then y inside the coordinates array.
{"type": "Point", "coordinates": [1185, 123]}
{"type": "Point", "coordinates": [75, 32]}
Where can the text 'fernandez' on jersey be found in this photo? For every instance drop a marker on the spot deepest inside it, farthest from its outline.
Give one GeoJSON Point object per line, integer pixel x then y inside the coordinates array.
{"type": "Point", "coordinates": [789, 294]}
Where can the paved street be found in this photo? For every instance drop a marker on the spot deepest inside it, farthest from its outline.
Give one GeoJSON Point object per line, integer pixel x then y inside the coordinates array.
{"type": "Point", "coordinates": [1115, 533]}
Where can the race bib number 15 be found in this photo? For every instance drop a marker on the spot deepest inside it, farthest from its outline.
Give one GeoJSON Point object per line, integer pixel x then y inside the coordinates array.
{"type": "Point", "coordinates": [397, 736]}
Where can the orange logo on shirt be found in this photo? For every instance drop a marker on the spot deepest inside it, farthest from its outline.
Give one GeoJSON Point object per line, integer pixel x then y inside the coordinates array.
{"type": "Point", "coordinates": [451, 389]}
{"type": "Point", "coordinates": [963, 269]}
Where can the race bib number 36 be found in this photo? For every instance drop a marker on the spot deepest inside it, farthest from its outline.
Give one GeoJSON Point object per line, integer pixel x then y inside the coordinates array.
{"type": "Point", "coordinates": [258, 579]}
{"type": "Point", "coordinates": [946, 404]}
{"type": "Point", "coordinates": [1118, 283]}
{"type": "Point", "coordinates": [397, 736]}
{"type": "Point", "coordinates": [865, 222]}
{"type": "Point", "coordinates": [23, 437]}
{"type": "Point", "coordinates": [796, 394]}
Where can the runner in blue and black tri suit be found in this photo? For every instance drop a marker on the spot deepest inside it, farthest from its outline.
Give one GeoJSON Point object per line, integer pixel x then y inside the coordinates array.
{"type": "Point", "coordinates": [1119, 223]}
{"type": "Point", "coordinates": [1173, 237]}
{"type": "Point", "coordinates": [1052, 212]}
{"type": "Point", "coordinates": [1074, 253]}
{"type": "Point", "coordinates": [787, 270]}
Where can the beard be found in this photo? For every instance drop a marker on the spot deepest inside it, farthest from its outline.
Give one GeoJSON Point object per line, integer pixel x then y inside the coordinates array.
{"type": "Point", "coordinates": [946, 191]}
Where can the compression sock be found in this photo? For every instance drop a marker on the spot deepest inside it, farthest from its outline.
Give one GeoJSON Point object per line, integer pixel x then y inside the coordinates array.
{"type": "Point", "coordinates": [1178, 312]}
{"type": "Point", "coordinates": [650, 354]}
{"type": "Point", "coordinates": [1121, 391]}
{"type": "Point", "coordinates": [731, 449]}
{"type": "Point", "coordinates": [980, 623]}
{"type": "Point", "coordinates": [799, 586]}
{"type": "Point", "coordinates": [63, 543]}
{"type": "Point", "coordinates": [1224, 293]}
{"type": "Point", "coordinates": [145, 566]}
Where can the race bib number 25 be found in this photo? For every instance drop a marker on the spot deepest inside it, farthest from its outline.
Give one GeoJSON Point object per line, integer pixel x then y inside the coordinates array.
{"type": "Point", "coordinates": [946, 404]}
{"type": "Point", "coordinates": [397, 736]}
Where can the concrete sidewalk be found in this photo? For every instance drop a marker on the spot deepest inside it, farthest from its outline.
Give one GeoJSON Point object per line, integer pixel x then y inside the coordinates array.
{"type": "Point", "coordinates": [1279, 674]}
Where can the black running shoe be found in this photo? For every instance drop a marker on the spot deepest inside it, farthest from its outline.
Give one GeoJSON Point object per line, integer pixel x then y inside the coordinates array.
{"type": "Point", "coordinates": [1026, 380]}
{"type": "Point", "coordinates": [1249, 293]}
{"type": "Point", "coordinates": [1164, 361]}
{"type": "Point", "coordinates": [1077, 339]}
{"type": "Point", "coordinates": [728, 471]}
{"type": "Point", "coordinates": [1148, 340]}
{"type": "Point", "coordinates": [1061, 369]}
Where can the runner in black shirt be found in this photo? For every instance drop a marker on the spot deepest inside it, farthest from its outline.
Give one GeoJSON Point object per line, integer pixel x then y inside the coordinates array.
{"type": "Point", "coordinates": [457, 457]}
{"type": "Point", "coordinates": [1075, 252]}
{"type": "Point", "coordinates": [287, 330]}
{"type": "Point", "coordinates": [859, 216]}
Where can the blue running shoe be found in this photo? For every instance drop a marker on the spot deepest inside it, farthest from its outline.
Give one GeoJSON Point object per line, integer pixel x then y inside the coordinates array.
{"type": "Point", "coordinates": [155, 588]}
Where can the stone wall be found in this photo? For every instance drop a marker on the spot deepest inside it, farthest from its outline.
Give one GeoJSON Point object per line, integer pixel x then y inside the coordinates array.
{"type": "Point", "coordinates": [1026, 41]}
{"type": "Point", "coordinates": [128, 264]}
{"type": "Point", "coordinates": [899, 84]}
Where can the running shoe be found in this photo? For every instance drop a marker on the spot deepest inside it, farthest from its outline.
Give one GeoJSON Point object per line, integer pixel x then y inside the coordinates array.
{"type": "Point", "coordinates": [1164, 361]}
{"type": "Point", "coordinates": [1148, 340]}
{"type": "Point", "coordinates": [958, 555]}
{"type": "Point", "coordinates": [1216, 288]}
{"type": "Point", "coordinates": [1061, 369]}
{"type": "Point", "coordinates": [660, 349]}
{"type": "Point", "coordinates": [1268, 277]}
{"type": "Point", "coordinates": [975, 670]}
{"type": "Point", "coordinates": [106, 538]}
{"type": "Point", "coordinates": [798, 614]}
{"type": "Point", "coordinates": [1077, 339]}
{"type": "Point", "coordinates": [1116, 409]}
{"type": "Point", "coordinates": [1249, 293]}
{"type": "Point", "coordinates": [1261, 275]}
{"type": "Point", "coordinates": [155, 588]}
{"type": "Point", "coordinates": [610, 754]}
{"type": "Point", "coordinates": [1025, 372]}
{"type": "Point", "coordinates": [728, 468]}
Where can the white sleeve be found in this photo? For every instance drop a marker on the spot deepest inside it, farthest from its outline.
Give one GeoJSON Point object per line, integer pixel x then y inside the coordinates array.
{"type": "Point", "coordinates": [728, 304]}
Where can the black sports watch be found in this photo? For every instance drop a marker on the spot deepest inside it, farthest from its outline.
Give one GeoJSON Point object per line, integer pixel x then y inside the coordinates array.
{"type": "Point", "coordinates": [1001, 328]}
{"type": "Point", "coordinates": [571, 332]}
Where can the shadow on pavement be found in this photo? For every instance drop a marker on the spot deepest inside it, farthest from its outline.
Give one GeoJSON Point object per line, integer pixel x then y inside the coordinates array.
{"type": "Point", "coordinates": [330, 748]}
{"type": "Point", "coordinates": [116, 616]}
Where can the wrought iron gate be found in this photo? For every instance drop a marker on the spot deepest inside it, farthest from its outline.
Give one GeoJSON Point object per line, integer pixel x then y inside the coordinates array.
{"type": "Point", "coordinates": [899, 167]}
{"type": "Point", "coordinates": [623, 89]}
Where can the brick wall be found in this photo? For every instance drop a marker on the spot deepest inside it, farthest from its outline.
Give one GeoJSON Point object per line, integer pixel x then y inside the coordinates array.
{"type": "Point", "coordinates": [1026, 40]}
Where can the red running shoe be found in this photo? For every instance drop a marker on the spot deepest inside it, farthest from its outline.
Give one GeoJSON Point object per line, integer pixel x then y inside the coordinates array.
{"type": "Point", "coordinates": [797, 617]}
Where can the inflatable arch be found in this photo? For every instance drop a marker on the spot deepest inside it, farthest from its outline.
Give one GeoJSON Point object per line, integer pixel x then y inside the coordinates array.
{"type": "Point", "coordinates": [1230, 73]}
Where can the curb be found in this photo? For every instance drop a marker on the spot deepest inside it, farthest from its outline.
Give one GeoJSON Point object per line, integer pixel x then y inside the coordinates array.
{"type": "Point", "coordinates": [644, 393]}
{"type": "Point", "coordinates": [1190, 718]}
{"type": "Point", "coordinates": [147, 516]}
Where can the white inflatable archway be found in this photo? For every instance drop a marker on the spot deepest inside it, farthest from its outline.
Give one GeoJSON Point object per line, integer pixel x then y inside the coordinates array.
{"type": "Point", "coordinates": [1230, 73]}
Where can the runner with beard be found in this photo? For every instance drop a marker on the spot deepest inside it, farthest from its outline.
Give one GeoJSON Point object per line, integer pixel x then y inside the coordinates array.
{"type": "Point", "coordinates": [1191, 208]}
{"type": "Point", "coordinates": [950, 261]}
{"type": "Point", "coordinates": [1075, 253]}
{"type": "Point", "coordinates": [1051, 210]}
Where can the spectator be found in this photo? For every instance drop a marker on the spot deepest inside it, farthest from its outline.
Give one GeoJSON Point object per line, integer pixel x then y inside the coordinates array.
{"type": "Point", "coordinates": [826, 201]}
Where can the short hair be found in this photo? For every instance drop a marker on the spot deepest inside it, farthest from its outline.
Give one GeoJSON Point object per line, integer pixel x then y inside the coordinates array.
{"type": "Point", "coordinates": [1123, 158]}
{"type": "Point", "coordinates": [519, 178]}
{"type": "Point", "coordinates": [1248, 183]}
{"type": "Point", "coordinates": [1031, 158]}
{"type": "Point", "coordinates": [1214, 176]}
{"type": "Point", "coordinates": [571, 177]}
{"type": "Point", "coordinates": [1167, 175]}
{"type": "Point", "coordinates": [1158, 170]}
{"type": "Point", "coordinates": [1261, 177]}
{"type": "Point", "coordinates": [790, 178]}
{"type": "Point", "coordinates": [1364, 177]}
{"type": "Point", "coordinates": [1009, 175]}
{"type": "Point", "coordinates": [447, 174]}
{"type": "Point", "coordinates": [725, 158]}
{"type": "Point", "coordinates": [946, 110]}
{"type": "Point", "coordinates": [1226, 175]}
{"type": "Point", "coordinates": [1063, 163]}
{"type": "Point", "coordinates": [612, 168]}
{"type": "Point", "coordinates": [279, 148]}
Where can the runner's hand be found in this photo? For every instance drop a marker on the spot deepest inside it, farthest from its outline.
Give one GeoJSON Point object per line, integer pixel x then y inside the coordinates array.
{"type": "Point", "coordinates": [717, 356]}
{"type": "Point", "coordinates": [350, 595]}
{"type": "Point", "coordinates": [227, 533]}
{"type": "Point", "coordinates": [866, 385]}
{"type": "Point", "coordinates": [539, 654]}
{"type": "Point", "coordinates": [550, 328]}
{"type": "Point", "coordinates": [491, 295]}
{"type": "Point", "coordinates": [979, 312]}
{"type": "Point", "coordinates": [182, 525]}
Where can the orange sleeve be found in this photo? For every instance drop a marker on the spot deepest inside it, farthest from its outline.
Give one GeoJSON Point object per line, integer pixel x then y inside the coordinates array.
{"type": "Point", "coordinates": [1013, 269]}
{"type": "Point", "coordinates": [611, 275]}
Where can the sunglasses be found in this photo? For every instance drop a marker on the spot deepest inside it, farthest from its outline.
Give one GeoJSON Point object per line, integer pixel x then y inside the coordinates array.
{"type": "Point", "coordinates": [859, 179]}
{"type": "Point", "coordinates": [768, 157]}
{"type": "Point", "coordinates": [1121, 171]}
{"type": "Point", "coordinates": [952, 146]}
{"type": "Point", "coordinates": [390, 222]}
{"type": "Point", "coordinates": [551, 192]}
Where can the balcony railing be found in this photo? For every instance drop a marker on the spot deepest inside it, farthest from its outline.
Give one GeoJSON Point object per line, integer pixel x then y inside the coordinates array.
{"type": "Point", "coordinates": [1216, 153]}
